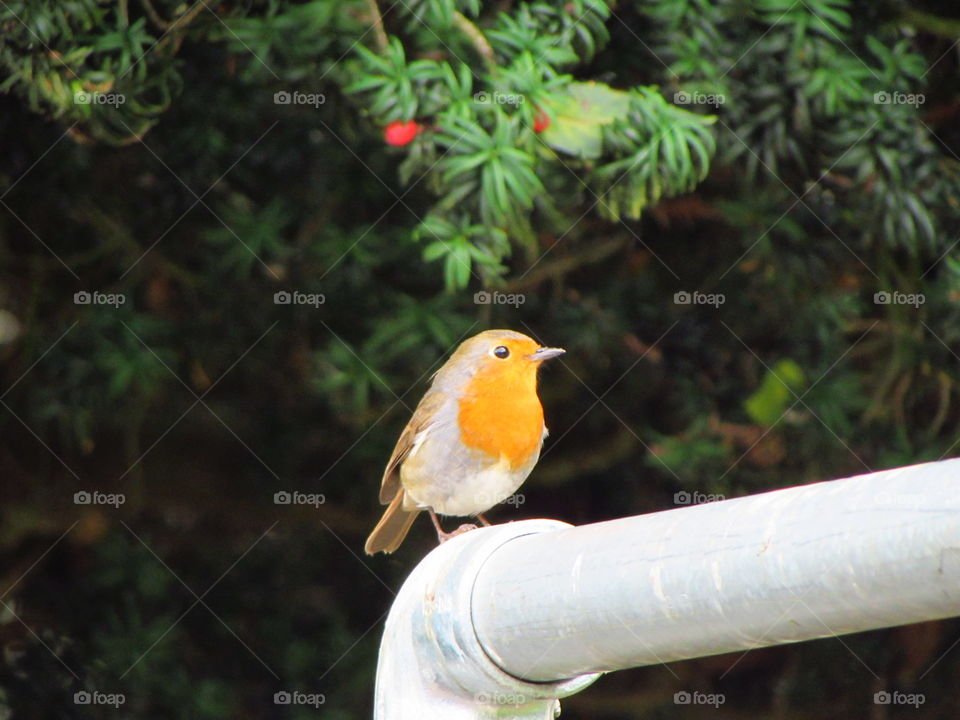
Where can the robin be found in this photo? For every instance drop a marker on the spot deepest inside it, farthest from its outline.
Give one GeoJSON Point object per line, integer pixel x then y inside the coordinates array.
{"type": "Point", "coordinates": [472, 441]}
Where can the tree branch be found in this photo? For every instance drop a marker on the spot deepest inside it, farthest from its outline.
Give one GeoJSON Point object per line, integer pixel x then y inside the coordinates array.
{"type": "Point", "coordinates": [934, 24]}
{"type": "Point", "coordinates": [568, 263]}
{"type": "Point", "coordinates": [378, 32]}
{"type": "Point", "coordinates": [154, 15]}
{"type": "Point", "coordinates": [477, 39]}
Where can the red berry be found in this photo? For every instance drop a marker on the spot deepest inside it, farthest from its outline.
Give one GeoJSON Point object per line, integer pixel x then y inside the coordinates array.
{"type": "Point", "coordinates": [541, 121]}
{"type": "Point", "coordinates": [401, 133]}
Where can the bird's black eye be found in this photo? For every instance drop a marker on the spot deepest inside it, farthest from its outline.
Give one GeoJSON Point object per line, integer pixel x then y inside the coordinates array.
{"type": "Point", "coordinates": [502, 352]}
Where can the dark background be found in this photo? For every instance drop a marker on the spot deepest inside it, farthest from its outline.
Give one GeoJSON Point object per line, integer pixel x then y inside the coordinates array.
{"type": "Point", "coordinates": [198, 398]}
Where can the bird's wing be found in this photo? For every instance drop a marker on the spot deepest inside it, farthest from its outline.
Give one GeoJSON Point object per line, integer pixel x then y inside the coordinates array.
{"type": "Point", "coordinates": [410, 439]}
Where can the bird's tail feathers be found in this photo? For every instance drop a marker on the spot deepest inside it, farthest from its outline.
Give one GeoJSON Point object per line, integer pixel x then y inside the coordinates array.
{"type": "Point", "coordinates": [392, 528]}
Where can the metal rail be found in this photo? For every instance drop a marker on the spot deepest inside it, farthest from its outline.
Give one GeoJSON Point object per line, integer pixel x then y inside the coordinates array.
{"type": "Point", "coordinates": [501, 622]}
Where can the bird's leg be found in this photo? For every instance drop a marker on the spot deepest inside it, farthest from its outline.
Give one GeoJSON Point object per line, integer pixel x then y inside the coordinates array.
{"type": "Point", "coordinates": [436, 524]}
{"type": "Point", "coordinates": [483, 520]}
{"type": "Point", "coordinates": [444, 536]}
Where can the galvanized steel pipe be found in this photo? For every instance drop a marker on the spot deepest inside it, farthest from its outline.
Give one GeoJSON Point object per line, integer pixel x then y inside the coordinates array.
{"type": "Point", "coordinates": [825, 559]}
{"type": "Point", "coordinates": [502, 621]}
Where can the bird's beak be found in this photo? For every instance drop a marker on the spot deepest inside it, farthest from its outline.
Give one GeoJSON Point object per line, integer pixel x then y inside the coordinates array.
{"type": "Point", "coordinates": [546, 353]}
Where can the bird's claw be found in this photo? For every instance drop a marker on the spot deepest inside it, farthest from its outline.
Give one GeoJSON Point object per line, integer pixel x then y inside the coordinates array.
{"type": "Point", "coordinates": [466, 527]}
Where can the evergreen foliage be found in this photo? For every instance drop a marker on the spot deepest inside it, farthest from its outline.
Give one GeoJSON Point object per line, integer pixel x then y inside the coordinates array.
{"type": "Point", "coordinates": [740, 217]}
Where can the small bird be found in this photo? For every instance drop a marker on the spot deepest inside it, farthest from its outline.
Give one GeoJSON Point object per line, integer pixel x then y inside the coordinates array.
{"type": "Point", "coordinates": [472, 440]}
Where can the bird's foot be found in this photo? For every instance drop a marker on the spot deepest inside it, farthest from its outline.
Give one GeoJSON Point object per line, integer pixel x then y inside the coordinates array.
{"type": "Point", "coordinates": [466, 527]}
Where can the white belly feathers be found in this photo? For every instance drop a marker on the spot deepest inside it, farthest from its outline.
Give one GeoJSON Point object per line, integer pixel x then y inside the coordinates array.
{"type": "Point", "coordinates": [459, 482]}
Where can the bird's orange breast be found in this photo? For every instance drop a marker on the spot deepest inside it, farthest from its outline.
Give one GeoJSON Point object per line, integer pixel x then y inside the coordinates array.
{"type": "Point", "coordinates": [500, 413]}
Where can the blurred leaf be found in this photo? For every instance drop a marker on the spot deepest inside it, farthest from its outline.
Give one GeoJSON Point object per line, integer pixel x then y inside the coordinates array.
{"type": "Point", "coordinates": [778, 390]}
